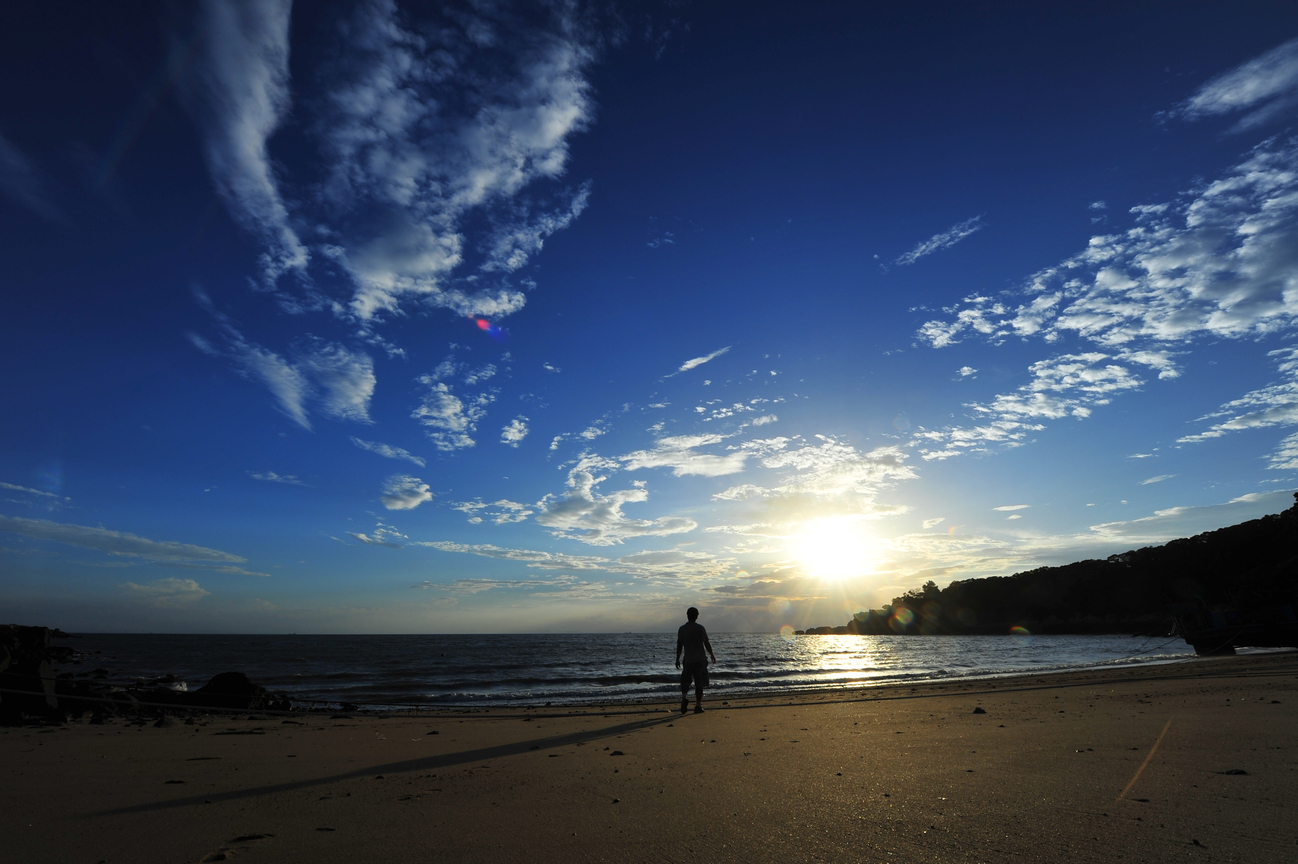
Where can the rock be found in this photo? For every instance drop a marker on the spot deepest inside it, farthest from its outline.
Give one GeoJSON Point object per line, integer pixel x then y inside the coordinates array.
{"type": "Point", "coordinates": [234, 690]}
{"type": "Point", "coordinates": [164, 722]}
{"type": "Point", "coordinates": [979, 711]}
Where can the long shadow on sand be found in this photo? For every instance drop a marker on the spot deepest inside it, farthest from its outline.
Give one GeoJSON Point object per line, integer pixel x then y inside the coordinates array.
{"type": "Point", "coordinates": [446, 760]}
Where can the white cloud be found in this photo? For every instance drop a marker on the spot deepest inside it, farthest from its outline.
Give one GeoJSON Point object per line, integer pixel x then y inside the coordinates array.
{"type": "Point", "coordinates": [21, 183]}
{"type": "Point", "coordinates": [933, 523]}
{"type": "Point", "coordinates": [1097, 205]}
{"type": "Point", "coordinates": [966, 371]}
{"type": "Point", "coordinates": [765, 419]}
{"type": "Point", "coordinates": [1159, 479]}
{"type": "Point", "coordinates": [699, 361]}
{"type": "Point", "coordinates": [389, 452]}
{"type": "Point", "coordinates": [26, 491]}
{"type": "Point", "coordinates": [662, 564]}
{"type": "Point", "coordinates": [373, 541]}
{"type": "Point", "coordinates": [1271, 79]}
{"type": "Point", "coordinates": [1063, 386]}
{"type": "Point", "coordinates": [584, 514]}
{"type": "Point", "coordinates": [1009, 507]}
{"type": "Point", "coordinates": [168, 593]}
{"type": "Point", "coordinates": [115, 542]}
{"type": "Point", "coordinates": [1274, 405]}
{"type": "Point", "coordinates": [433, 120]}
{"type": "Point", "coordinates": [1220, 262]}
{"type": "Point", "coordinates": [502, 512]}
{"type": "Point", "coordinates": [678, 453]}
{"type": "Point", "coordinates": [944, 240]}
{"type": "Point", "coordinates": [515, 432]}
{"type": "Point", "coordinates": [346, 379]}
{"type": "Point", "coordinates": [237, 88]}
{"type": "Point", "coordinates": [272, 477]}
{"type": "Point", "coordinates": [403, 492]}
{"type": "Point", "coordinates": [340, 381]}
{"type": "Point", "coordinates": [452, 419]}
{"type": "Point", "coordinates": [1015, 516]}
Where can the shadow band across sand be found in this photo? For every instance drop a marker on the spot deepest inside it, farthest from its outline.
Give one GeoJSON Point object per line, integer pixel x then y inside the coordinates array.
{"type": "Point", "coordinates": [446, 760]}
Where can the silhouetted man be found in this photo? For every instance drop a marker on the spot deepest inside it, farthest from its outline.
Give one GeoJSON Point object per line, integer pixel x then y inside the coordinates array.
{"type": "Point", "coordinates": [692, 639]}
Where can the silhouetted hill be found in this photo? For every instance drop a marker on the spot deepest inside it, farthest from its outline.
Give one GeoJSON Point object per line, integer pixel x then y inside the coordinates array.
{"type": "Point", "coordinates": [1253, 562]}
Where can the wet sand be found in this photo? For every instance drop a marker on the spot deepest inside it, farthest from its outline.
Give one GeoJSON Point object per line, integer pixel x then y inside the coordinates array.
{"type": "Point", "coordinates": [1185, 762]}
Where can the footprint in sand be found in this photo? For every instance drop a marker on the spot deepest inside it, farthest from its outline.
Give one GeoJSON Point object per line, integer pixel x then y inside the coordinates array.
{"type": "Point", "coordinates": [233, 847]}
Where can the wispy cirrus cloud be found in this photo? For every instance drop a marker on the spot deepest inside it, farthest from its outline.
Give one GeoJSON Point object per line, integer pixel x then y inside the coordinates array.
{"type": "Point", "coordinates": [237, 90]}
{"type": "Point", "coordinates": [117, 543]}
{"type": "Point", "coordinates": [336, 380]}
{"type": "Point", "coordinates": [943, 240]}
{"type": "Point", "coordinates": [272, 477]}
{"type": "Point", "coordinates": [699, 361]}
{"type": "Point", "coordinates": [1267, 84]}
{"type": "Point", "coordinates": [389, 452]}
{"type": "Point", "coordinates": [22, 184]}
{"type": "Point", "coordinates": [168, 593]}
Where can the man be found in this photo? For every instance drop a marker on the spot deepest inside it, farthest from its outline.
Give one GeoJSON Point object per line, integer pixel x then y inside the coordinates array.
{"type": "Point", "coordinates": [692, 639]}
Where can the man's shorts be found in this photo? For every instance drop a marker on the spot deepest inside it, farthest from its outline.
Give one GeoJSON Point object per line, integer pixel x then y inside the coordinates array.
{"type": "Point", "coordinates": [694, 672]}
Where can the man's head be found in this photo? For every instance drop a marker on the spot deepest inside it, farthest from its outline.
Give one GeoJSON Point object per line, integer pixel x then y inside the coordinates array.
{"type": "Point", "coordinates": [692, 613]}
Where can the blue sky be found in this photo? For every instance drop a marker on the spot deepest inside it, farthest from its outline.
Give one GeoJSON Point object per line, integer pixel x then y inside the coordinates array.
{"type": "Point", "coordinates": [361, 318]}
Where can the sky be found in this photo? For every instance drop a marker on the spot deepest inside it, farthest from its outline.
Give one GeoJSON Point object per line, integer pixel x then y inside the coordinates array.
{"type": "Point", "coordinates": [556, 317]}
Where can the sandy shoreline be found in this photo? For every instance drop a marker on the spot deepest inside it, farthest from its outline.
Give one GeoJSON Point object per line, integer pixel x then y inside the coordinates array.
{"type": "Point", "coordinates": [894, 773]}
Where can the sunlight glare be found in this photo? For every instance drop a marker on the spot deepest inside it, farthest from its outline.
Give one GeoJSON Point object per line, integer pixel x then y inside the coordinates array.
{"type": "Point", "coordinates": [835, 548]}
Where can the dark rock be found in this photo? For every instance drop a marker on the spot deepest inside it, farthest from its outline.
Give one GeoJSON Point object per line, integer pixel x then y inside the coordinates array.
{"type": "Point", "coordinates": [164, 722]}
{"type": "Point", "coordinates": [234, 690]}
{"type": "Point", "coordinates": [979, 711]}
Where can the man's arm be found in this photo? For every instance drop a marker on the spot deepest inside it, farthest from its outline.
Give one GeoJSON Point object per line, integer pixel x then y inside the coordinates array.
{"type": "Point", "coordinates": [679, 646]}
{"type": "Point", "coordinates": [708, 645]}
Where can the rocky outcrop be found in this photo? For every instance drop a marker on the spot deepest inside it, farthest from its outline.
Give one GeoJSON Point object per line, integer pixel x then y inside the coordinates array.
{"type": "Point", "coordinates": [31, 689]}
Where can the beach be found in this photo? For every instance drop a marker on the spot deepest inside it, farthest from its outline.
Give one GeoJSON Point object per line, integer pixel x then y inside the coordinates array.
{"type": "Point", "coordinates": [1183, 761]}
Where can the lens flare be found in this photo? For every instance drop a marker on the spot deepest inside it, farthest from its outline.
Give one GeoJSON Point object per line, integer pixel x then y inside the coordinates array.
{"type": "Point", "coordinates": [490, 329]}
{"type": "Point", "coordinates": [1016, 630]}
{"type": "Point", "coordinates": [787, 632]}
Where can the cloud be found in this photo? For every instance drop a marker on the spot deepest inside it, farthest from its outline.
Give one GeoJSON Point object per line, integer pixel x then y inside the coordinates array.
{"type": "Point", "coordinates": [20, 182]}
{"type": "Point", "coordinates": [48, 500]}
{"type": "Point", "coordinates": [944, 240]}
{"type": "Point", "coordinates": [1070, 385]}
{"type": "Point", "coordinates": [272, 477]}
{"type": "Point", "coordinates": [502, 512]}
{"type": "Point", "coordinates": [1220, 262]}
{"type": "Point", "coordinates": [584, 514]}
{"type": "Point", "coordinates": [374, 541]}
{"type": "Point", "coordinates": [966, 371]}
{"type": "Point", "coordinates": [403, 492]}
{"type": "Point", "coordinates": [338, 380]}
{"type": "Point", "coordinates": [664, 564]}
{"type": "Point", "coordinates": [115, 542]}
{"type": "Point", "coordinates": [1274, 405]}
{"type": "Point", "coordinates": [428, 122]}
{"type": "Point", "coordinates": [1009, 507]}
{"type": "Point", "coordinates": [699, 361]}
{"type": "Point", "coordinates": [452, 419]}
{"type": "Point", "coordinates": [346, 379]}
{"type": "Point", "coordinates": [389, 452]}
{"type": "Point", "coordinates": [933, 523]}
{"type": "Point", "coordinates": [765, 419]}
{"type": "Point", "coordinates": [827, 477]}
{"type": "Point", "coordinates": [168, 593]}
{"type": "Point", "coordinates": [1270, 80]}
{"type": "Point", "coordinates": [237, 90]}
{"type": "Point", "coordinates": [678, 453]}
{"type": "Point", "coordinates": [1159, 479]}
{"type": "Point", "coordinates": [515, 432]}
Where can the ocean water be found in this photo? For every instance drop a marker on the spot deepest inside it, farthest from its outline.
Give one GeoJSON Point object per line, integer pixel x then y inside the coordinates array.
{"type": "Point", "coordinates": [486, 671]}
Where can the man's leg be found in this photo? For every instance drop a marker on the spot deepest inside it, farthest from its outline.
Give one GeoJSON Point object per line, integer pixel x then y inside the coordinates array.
{"type": "Point", "coordinates": [685, 688]}
{"type": "Point", "coordinates": [698, 697]}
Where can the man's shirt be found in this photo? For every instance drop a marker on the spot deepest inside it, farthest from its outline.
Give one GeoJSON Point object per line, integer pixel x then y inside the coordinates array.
{"type": "Point", "coordinates": [694, 639]}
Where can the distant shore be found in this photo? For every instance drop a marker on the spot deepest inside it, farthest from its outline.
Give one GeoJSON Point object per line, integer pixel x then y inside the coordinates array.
{"type": "Point", "coordinates": [1149, 763]}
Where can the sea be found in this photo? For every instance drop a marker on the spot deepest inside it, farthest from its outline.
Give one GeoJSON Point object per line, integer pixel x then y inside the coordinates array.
{"type": "Point", "coordinates": [495, 671]}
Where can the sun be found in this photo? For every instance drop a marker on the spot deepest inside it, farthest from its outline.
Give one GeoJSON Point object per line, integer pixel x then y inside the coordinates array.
{"type": "Point", "coordinates": [836, 547]}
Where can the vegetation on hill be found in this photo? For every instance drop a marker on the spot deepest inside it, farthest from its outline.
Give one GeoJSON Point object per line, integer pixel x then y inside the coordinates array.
{"type": "Point", "coordinates": [1253, 563]}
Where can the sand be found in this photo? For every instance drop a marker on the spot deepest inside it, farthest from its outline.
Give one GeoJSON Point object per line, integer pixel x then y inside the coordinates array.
{"type": "Point", "coordinates": [1185, 762]}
